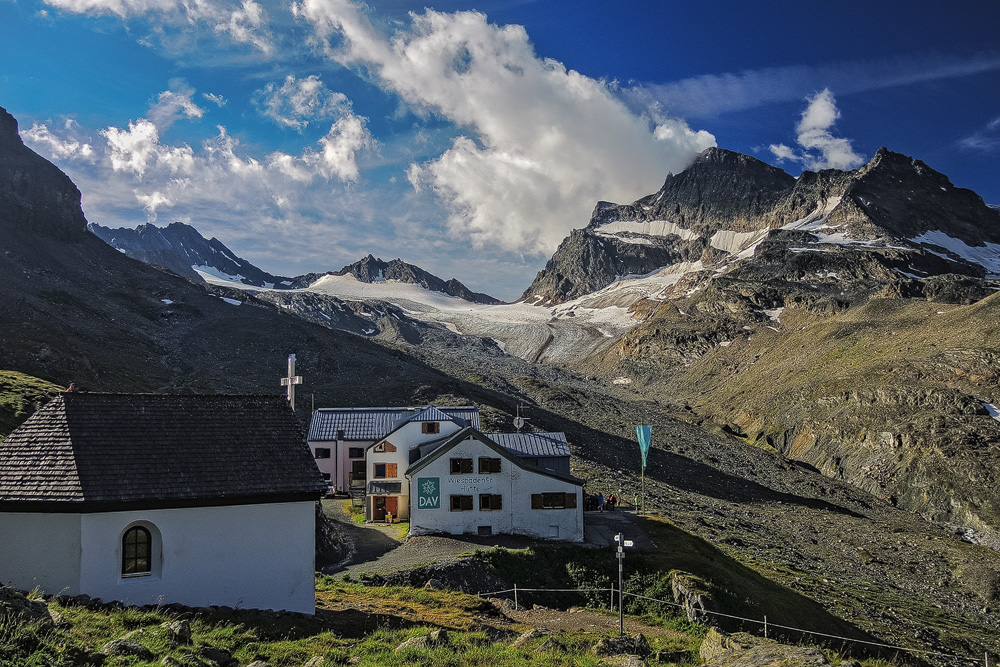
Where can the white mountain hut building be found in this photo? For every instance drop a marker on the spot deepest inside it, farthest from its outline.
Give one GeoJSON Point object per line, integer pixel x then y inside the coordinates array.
{"type": "Point", "coordinates": [387, 492]}
{"type": "Point", "coordinates": [338, 438]}
{"type": "Point", "coordinates": [522, 486]}
{"type": "Point", "coordinates": [469, 484]}
{"type": "Point", "coordinates": [153, 499]}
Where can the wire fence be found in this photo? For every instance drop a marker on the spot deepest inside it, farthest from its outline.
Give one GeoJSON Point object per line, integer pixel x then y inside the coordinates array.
{"type": "Point", "coordinates": [985, 660]}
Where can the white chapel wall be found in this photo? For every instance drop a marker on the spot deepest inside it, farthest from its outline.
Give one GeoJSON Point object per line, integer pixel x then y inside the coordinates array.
{"type": "Point", "coordinates": [40, 549]}
{"type": "Point", "coordinates": [248, 556]}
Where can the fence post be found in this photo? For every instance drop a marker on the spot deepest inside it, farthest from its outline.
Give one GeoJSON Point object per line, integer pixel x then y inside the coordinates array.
{"type": "Point", "coordinates": [986, 654]}
{"type": "Point", "coordinates": [516, 607]}
{"type": "Point", "coordinates": [612, 597]}
{"type": "Point", "coordinates": [765, 626]}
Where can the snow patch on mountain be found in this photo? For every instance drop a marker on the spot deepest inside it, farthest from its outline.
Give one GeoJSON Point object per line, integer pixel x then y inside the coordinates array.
{"type": "Point", "coordinates": [650, 228]}
{"type": "Point", "coordinates": [214, 276]}
{"type": "Point", "coordinates": [817, 219]}
{"type": "Point", "coordinates": [986, 255]}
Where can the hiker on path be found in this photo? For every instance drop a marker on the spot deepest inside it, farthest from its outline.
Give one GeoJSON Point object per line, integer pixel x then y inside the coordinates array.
{"type": "Point", "coordinates": [600, 502]}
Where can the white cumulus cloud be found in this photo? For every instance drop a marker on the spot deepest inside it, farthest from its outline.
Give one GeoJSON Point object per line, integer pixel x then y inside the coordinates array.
{"type": "Point", "coordinates": [820, 149]}
{"type": "Point", "coordinates": [340, 146]}
{"type": "Point", "coordinates": [296, 102]}
{"type": "Point", "coordinates": [70, 146]}
{"type": "Point", "coordinates": [542, 142]}
{"type": "Point", "coordinates": [245, 22]}
{"type": "Point", "coordinates": [172, 105]}
{"type": "Point", "coordinates": [152, 201]}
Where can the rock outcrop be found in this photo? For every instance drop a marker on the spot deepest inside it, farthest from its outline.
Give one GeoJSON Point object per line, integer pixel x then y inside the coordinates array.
{"type": "Point", "coordinates": [722, 207]}
{"type": "Point", "coordinates": [719, 649]}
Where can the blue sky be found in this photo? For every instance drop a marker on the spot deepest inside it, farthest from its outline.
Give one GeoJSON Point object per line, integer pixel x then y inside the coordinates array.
{"type": "Point", "coordinates": [470, 138]}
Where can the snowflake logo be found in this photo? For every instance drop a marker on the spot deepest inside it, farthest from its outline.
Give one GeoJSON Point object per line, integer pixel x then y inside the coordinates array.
{"type": "Point", "coordinates": [428, 486]}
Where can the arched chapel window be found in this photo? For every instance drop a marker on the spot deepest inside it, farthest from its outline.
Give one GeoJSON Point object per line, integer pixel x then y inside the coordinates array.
{"type": "Point", "coordinates": [137, 547]}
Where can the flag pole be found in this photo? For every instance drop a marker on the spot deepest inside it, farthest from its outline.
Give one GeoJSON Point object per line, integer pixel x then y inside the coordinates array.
{"type": "Point", "coordinates": [644, 433]}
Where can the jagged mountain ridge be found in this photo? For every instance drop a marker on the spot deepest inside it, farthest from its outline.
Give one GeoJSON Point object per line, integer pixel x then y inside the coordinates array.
{"type": "Point", "coordinates": [179, 247]}
{"type": "Point", "coordinates": [370, 269]}
{"type": "Point", "coordinates": [72, 308]}
{"type": "Point", "coordinates": [721, 207]}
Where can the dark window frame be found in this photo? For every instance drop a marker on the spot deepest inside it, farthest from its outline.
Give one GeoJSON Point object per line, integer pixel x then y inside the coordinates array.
{"type": "Point", "coordinates": [431, 428]}
{"type": "Point", "coordinates": [489, 465]}
{"type": "Point", "coordinates": [490, 502]}
{"type": "Point", "coordinates": [554, 501]}
{"type": "Point", "coordinates": [355, 452]}
{"type": "Point", "coordinates": [460, 503]}
{"type": "Point", "coordinates": [137, 552]}
{"type": "Point", "coordinates": [322, 452]}
{"type": "Point", "coordinates": [460, 466]}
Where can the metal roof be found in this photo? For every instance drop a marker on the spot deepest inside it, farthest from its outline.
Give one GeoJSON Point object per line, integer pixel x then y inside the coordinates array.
{"type": "Point", "coordinates": [375, 423]}
{"type": "Point", "coordinates": [379, 488]}
{"type": "Point", "coordinates": [509, 454]}
{"type": "Point", "coordinates": [532, 444]}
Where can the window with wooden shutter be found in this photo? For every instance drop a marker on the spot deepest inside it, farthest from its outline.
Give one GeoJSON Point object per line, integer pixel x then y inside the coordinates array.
{"type": "Point", "coordinates": [490, 501]}
{"type": "Point", "coordinates": [430, 427]}
{"type": "Point", "coordinates": [488, 465]}
{"type": "Point", "coordinates": [553, 501]}
{"type": "Point", "coordinates": [461, 466]}
{"type": "Point", "coordinates": [380, 471]}
{"type": "Point", "coordinates": [390, 470]}
{"type": "Point", "coordinates": [461, 503]}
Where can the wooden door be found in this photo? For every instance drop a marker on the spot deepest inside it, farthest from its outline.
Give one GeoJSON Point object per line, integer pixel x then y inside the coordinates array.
{"type": "Point", "coordinates": [392, 506]}
{"type": "Point", "coordinates": [379, 508]}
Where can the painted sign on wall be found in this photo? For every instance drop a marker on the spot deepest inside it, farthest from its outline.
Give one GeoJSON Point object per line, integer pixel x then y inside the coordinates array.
{"type": "Point", "coordinates": [429, 493]}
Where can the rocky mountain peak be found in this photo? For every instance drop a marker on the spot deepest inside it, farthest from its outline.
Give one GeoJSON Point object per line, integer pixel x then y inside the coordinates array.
{"type": "Point", "coordinates": [371, 269]}
{"type": "Point", "coordinates": [179, 247]}
{"type": "Point", "coordinates": [9, 137]}
{"type": "Point", "coordinates": [34, 194]}
{"type": "Point", "coordinates": [721, 208]}
{"type": "Point", "coordinates": [902, 197]}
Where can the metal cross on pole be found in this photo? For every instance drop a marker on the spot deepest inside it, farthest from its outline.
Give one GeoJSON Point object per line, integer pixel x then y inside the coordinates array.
{"type": "Point", "coordinates": [291, 380]}
{"type": "Point", "coordinates": [622, 543]}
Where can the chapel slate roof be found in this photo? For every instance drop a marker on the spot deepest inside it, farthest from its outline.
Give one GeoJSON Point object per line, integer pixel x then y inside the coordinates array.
{"type": "Point", "coordinates": [532, 444]}
{"type": "Point", "coordinates": [375, 423]}
{"type": "Point", "coordinates": [93, 452]}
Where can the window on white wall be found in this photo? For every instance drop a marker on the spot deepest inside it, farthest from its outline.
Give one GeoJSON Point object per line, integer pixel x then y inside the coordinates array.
{"type": "Point", "coordinates": [553, 501]}
{"type": "Point", "coordinates": [137, 552]}
{"type": "Point", "coordinates": [490, 501]}
{"type": "Point", "coordinates": [488, 465]}
{"type": "Point", "coordinates": [385, 470]}
{"type": "Point", "coordinates": [322, 452]}
{"type": "Point", "coordinates": [461, 503]}
{"type": "Point", "coordinates": [461, 466]}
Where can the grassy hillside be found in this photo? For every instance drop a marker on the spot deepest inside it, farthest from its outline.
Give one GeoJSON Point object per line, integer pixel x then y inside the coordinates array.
{"type": "Point", "coordinates": [355, 624]}
{"type": "Point", "coordinates": [888, 395]}
{"type": "Point", "coordinates": [20, 396]}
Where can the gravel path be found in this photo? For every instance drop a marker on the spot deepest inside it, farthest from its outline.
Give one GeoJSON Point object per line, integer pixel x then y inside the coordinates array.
{"type": "Point", "coordinates": [382, 549]}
